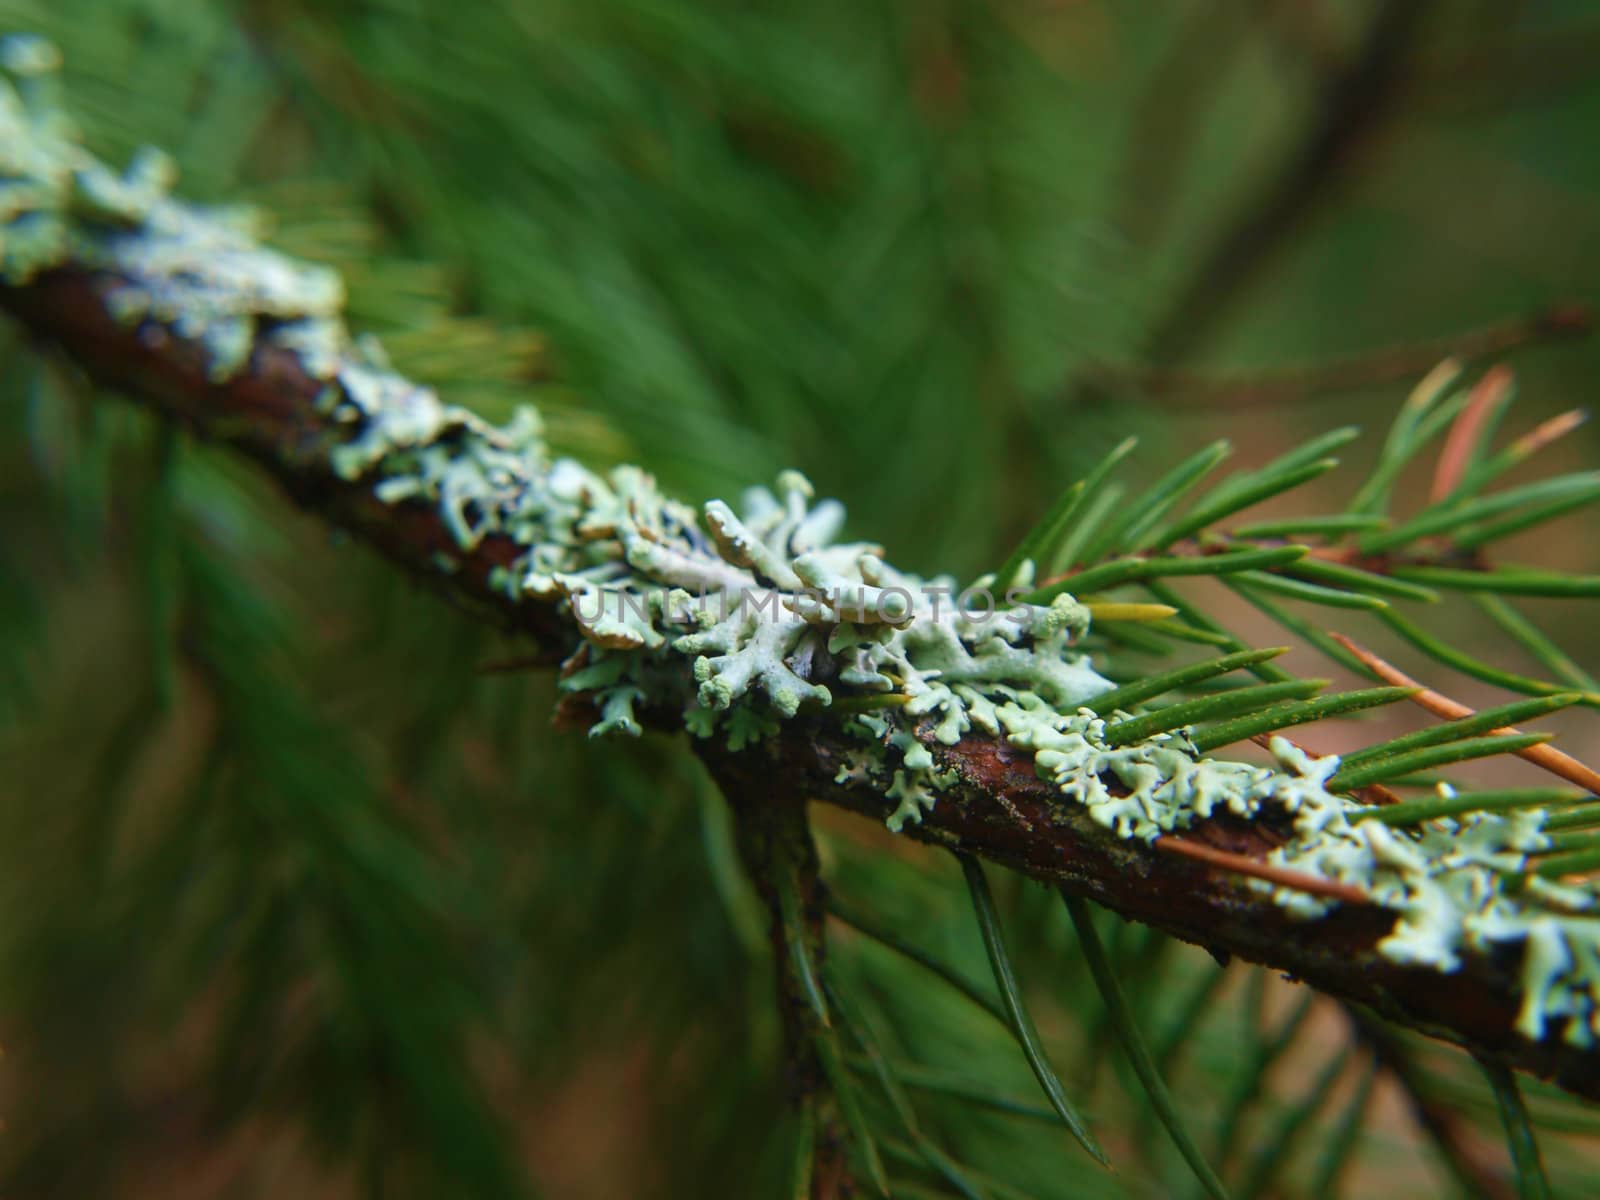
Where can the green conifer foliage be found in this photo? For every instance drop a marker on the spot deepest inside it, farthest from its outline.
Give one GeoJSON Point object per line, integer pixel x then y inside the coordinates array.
{"type": "Point", "coordinates": [304, 894]}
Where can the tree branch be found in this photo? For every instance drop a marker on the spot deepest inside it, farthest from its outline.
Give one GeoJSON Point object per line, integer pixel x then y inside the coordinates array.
{"type": "Point", "coordinates": [780, 858]}
{"type": "Point", "coordinates": [998, 809]}
{"type": "Point", "coordinates": [1274, 386]}
{"type": "Point", "coordinates": [269, 413]}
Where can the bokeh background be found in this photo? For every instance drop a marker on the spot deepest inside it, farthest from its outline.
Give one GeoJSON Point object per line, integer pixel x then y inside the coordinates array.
{"type": "Point", "coordinates": [298, 900]}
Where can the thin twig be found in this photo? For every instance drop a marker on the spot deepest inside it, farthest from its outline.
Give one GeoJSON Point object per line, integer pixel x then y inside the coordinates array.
{"type": "Point", "coordinates": [1351, 101]}
{"type": "Point", "coordinates": [1388, 364]}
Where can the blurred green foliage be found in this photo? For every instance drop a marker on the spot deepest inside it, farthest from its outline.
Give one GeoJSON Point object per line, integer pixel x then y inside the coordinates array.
{"type": "Point", "coordinates": [296, 897]}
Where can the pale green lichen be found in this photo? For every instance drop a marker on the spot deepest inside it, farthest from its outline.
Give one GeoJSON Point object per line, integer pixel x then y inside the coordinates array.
{"type": "Point", "coordinates": [909, 774]}
{"type": "Point", "coordinates": [1447, 882]}
{"type": "Point", "coordinates": [761, 614]}
{"type": "Point", "coordinates": [202, 274]}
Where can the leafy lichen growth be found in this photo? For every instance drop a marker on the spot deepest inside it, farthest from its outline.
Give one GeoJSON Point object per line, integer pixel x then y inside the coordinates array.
{"type": "Point", "coordinates": [760, 614]}
{"type": "Point", "coordinates": [201, 274]}
{"type": "Point", "coordinates": [1447, 883]}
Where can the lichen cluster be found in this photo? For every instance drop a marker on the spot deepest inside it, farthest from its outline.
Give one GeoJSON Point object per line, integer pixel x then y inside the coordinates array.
{"type": "Point", "coordinates": [1448, 882]}
{"type": "Point", "coordinates": [735, 620]}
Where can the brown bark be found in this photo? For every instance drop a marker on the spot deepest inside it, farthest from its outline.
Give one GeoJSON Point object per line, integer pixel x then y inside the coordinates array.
{"type": "Point", "coordinates": [776, 849]}
{"type": "Point", "coordinates": [1002, 812]}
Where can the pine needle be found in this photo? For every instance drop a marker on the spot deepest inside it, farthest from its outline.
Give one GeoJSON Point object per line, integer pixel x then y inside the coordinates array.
{"type": "Point", "coordinates": [1506, 581]}
{"type": "Point", "coordinates": [1548, 757]}
{"type": "Point", "coordinates": [1226, 501]}
{"type": "Point", "coordinates": [1133, 1045]}
{"type": "Point", "coordinates": [1491, 720]}
{"type": "Point", "coordinates": [1267, 672]}
{"type": "Point", "coordinates": [860, 1028]}
{"type": "Point", "coordinates": [1277, 1146]}
{"type": "Point", "coordinates": [943, 1083]}
{"type": "Point", "coordinates": [1414, 812]}
{"type": "Point", "coordinates": [831, 1059]}
{"type": "Point", "coordinates": [1402, 442]}
{"type": "Point", "coordinates": [158, 534]}
{"type": "Point", "coordinates": [1531, 1182]}
{"type": "Point", "coordinates": [1148, 688]}
{"type": "Point", "coordinates": [1299, 589]}
{"type": "Point", "coordinates": [1385, 769]}
{"type": "Point", "coordinates": [1131, 529]}
{"type": "Point", "coordinates": [1037, 543]}
{"type": "Point", "coordinates": [1535, 642]}
{"type": "Point", "coordinates": [1257, 1055]}
{"type": "Point", "coordinates": [1021, 1023]}
{"type": "Point", "coordinates": [1058, 540]}
{"type": "Point", "coordinates": [1340, 1147]}
{"type": "Point", "coordinates": [1321, 570]}
{"type": "Point", "coordinates": [923, 959]}
{"type": "Point", "coordinates": [1313, 635]}
{"type": "Point", "coordinates": [1190, 1013]}
{"type": "Point", "coordinates": [1441, 519]}
{"type": "Point", "coordinates": [1461, 661]}
{"type": "Point", "coordinates": [1100, 612]}
{"type": "Point", "coordinates": [1544, 434]}
{"type": "Point", "coordinates": [1320, 526]}
{"type": "Point", "coordinates": [1180, 631]}
{"type": "Point", "coordinates": [1209, 708]}
{"type": "Point", "coordinates": [1286, 716]}
{"type": "Point", "coordinates": [1128, 570]}
{"type": "Point", "coordinates": [1576, 862]}
{"type": "Point", "coordinates": [1471, 430]}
